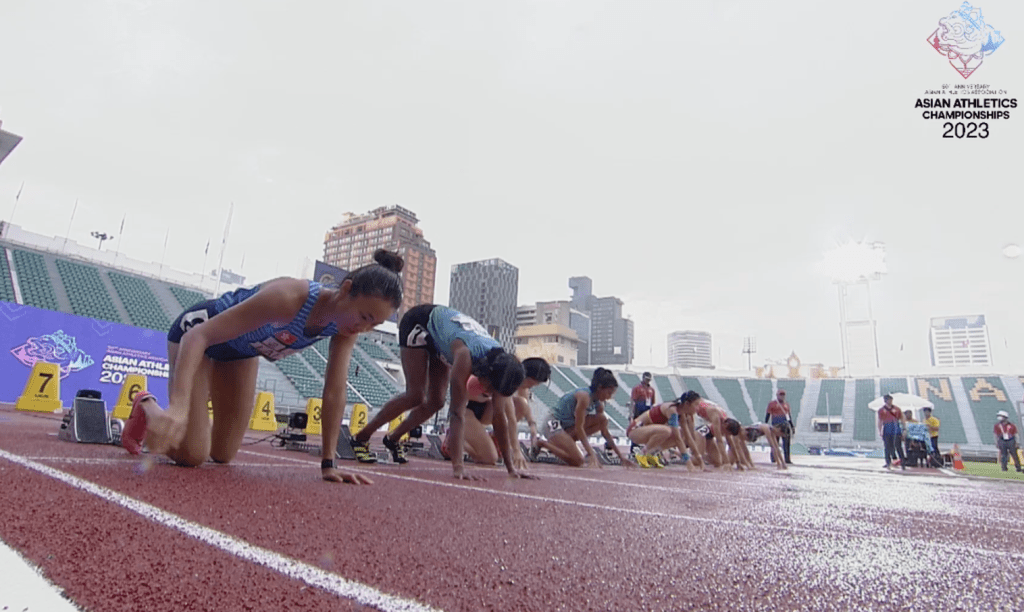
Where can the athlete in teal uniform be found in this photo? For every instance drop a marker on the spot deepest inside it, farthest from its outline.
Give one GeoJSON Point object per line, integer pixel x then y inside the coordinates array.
{"type": "Point", "coordinates": [439, 346]}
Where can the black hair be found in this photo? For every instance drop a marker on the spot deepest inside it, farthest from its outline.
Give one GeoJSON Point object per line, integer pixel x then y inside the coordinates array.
{"type": "Point", "coordinates": [537, 369]}
{"type": "Point", "coordinates": [689, 396]}
{"type": "Point", "coordinates": [379, 279]}
{"type": "Point", "coordinates": [603, 379]}
{"type": "Point", "coordinates": [501, 369]}
{"type": "Point", "coordinates": [732, 426]}
{"type": "Point", "coordinates": [647, 375]}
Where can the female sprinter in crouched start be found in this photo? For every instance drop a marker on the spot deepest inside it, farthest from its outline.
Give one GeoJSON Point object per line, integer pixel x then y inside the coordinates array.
{"type": "Point", "coordinates": [213, 348]}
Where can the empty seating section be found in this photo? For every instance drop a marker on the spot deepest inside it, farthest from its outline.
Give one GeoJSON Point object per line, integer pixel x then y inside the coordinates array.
{"type": "Point", "coordinates": [794, 389]}
{"type": "Point", "coordinates": [305, 381]}
{"type": "Point", "coordinates": [938, 392]}
{"type": "Point", "coordinates": [186, 297]}
{"type": "Point", "coordinates": [6, 285]}
{"type": "Point", "coordinates": [371, 383]}
{"type": "Point", "coordinates": [692, 384]}
{"type": "Point", "coordinates": [374, 350]}
{"type": "Point", "coordinates": [987, 396]}
{"type": "Point", "coordinates": [730, 390]}
{"type": "Point", "coordinates": [34, 281]}
{"type": "Point", "coordinates": [830, 399]}
{"type": "Point", "coordinates": [563, 382]}
{"type": "Point", "coordinates": [864, 426]}
{"type": "Point", "coordinates": [665, 391]}
{"type": "Point", "coordinates": [142, 306]}
{"type": "Point", "coordinates": [545, 396]}
{"type": "Point", "coordinates": [760, 391]}
{"type": "Point", "coordinates": [892, 385]}
{"type": "Point", "coordinates": [581, 378]}
{"type": "Point", "coordinates": [86, 292]}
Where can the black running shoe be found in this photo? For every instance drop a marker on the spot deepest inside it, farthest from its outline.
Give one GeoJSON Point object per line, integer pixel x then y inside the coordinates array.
{"type": "Point", "coordinates": [397, 452]}
{"type": "Point", "coordinates": [362, 451]}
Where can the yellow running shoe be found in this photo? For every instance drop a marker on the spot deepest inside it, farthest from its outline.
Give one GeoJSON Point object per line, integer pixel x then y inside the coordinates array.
{"type": "Point", "coordinates": [656, 461]}
{"type": "Point", "coordinates": [642, 461]}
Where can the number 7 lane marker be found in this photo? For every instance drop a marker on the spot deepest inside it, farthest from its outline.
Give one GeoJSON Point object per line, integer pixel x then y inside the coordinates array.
{"type": "Point", "coordinates": [287, 566]}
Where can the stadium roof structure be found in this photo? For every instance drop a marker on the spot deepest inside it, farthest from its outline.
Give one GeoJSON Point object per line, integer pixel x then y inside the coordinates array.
{"type": "Point", "coordinates": [7, 143]}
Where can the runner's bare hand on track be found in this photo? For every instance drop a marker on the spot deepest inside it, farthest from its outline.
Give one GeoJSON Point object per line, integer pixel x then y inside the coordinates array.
{"type": "Point", "coordinates": [165, 430]}
{"type": "Point", "coordinates": [460, 474]}
{"type": "Point", "coordinates": [523, 475]}
{"type": "Point", "coordinates": [335, 475]}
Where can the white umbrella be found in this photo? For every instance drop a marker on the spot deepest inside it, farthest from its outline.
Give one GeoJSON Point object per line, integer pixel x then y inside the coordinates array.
{"type": "Point", "coordinates": [903, 401]}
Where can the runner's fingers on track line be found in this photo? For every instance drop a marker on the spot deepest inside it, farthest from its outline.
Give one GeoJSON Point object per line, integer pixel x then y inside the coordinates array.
{"type": "Point", "coordinates": [349, 477]}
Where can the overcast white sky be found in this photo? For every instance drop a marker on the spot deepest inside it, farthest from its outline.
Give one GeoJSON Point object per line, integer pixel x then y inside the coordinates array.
{"type": "Point", "coordinates": [693, 158]}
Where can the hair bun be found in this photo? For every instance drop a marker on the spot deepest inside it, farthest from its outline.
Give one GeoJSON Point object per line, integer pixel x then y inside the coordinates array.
{"type": "Point", "coordinates": [390, 260]}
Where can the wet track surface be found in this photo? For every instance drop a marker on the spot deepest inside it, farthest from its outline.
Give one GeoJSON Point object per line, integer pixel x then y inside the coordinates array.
{"type": "Point", "coordinates": [579, 539]}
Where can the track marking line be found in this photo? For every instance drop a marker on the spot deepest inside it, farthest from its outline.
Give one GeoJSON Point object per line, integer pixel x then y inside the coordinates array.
{"type": "Point", "coordinates": [682, 517]}
{"type": "Point", "coordinates": [286, 566]}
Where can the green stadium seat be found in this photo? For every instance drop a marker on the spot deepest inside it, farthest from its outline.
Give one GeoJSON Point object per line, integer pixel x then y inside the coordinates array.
{"type": "Point", "coordinates": [938, 392]}
{"type": "Point", "coordinates": [734, 401]}
{"type": "Point", "coordinates": [986, 396]}
{"type": "Point", "coordinates": [186, 297]}
{"type": "Point", "coordinates": [830, 399]}
{"type": "Point", "coordinates": [760, 391]}
{"type": "Point", "coordinates": [86, 292]}
{"type": "Point", "coordinates": [6, 284]}
{"type": "Point", "coordinates": [34, 280]}
{"type": "Point", "coordinates": [143, 308]}
{"type": "Point", "coordinates": [864, 419]}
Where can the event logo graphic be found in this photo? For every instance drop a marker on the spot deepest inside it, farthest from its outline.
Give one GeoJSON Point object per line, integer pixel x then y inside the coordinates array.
{"type": "Point", "coordinates": [965, 39]}
{"type": "Point", "coordinates": [58, 348]}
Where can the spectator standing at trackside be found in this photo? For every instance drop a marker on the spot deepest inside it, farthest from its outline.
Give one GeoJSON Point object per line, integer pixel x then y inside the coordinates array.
{"type": "Point", "coordinates": [642, 395]}
{"type": "Point", "coordinates": [776, 415]}
{"type": "Point", "coordinates": [933, 429]}
{"type": "Point", "coordinates": [1006, 440]}
{"type": "Point", "coordinates": [908, 418]}
{"type": "Point", "coordinates": [642, 399]}
{"type": "Point", "coordinates": [889, 420]}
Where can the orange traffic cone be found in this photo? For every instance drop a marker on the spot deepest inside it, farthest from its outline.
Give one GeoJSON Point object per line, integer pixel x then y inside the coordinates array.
{"type": "Point", "coordinates": [958, 462]}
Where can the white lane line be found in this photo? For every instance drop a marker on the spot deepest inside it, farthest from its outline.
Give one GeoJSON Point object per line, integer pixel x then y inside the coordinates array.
{"type": "Point", "coordinates": [22, 587]}
{"type": "Point", "coordinates": [291, 568]}
{"type": "Point", "coordinates": [132, 462]}
{"type": "Point", "coordinates": [682, 517]}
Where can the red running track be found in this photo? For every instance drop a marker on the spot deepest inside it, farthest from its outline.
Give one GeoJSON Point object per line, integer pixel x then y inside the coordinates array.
{"type": "Point", "coordinates": [266, 533]}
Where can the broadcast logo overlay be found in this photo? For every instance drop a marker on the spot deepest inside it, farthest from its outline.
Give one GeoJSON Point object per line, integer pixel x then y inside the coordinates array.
{"type": "Point", "coordinates": [966, 41]}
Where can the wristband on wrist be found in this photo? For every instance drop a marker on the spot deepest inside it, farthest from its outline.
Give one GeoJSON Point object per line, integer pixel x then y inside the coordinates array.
{"type": "Point", "coordinates": [326, 463]}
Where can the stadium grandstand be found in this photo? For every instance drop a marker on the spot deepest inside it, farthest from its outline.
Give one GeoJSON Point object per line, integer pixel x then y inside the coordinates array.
{"type": "Point", "coordinates": [53, 274]}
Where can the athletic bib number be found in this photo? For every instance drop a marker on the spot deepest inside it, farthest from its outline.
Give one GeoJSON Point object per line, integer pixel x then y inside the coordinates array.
{"type": "Point", "coordinates": [417, 337]}
{"type": "Point", "coordinates": [469, 324]}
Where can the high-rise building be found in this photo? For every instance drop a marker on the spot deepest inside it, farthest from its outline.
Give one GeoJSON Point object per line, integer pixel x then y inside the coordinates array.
{"type": "Point", "coordinates": [553, 342]}
{"type": "Point", "coordinates": [960, 341]}
{"type": "Point", "coordinates": [488, 291]}
{"type": "Point", "coordinates": [605, 335]}
{"type": "Point", "coordinates": [689, 349]}
{"type": "Point", "coordinates": [351, 244]}
{"type": "Point", "coordinates": [560, 313]}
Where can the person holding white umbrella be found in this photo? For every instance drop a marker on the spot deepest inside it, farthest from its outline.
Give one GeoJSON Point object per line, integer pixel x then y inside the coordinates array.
{"type": "Point", "coordinates": [890, 420]}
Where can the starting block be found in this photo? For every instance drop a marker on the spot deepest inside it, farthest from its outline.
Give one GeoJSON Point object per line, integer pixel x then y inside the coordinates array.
{"type": "Point", "coordinates": [429, 449]}
{"type": "Point", "coordinates": [263, 418]}
{"type": "Point", "coordinates": [87, 422]}
{"type": "Point", "coordinates": [42, 389]}
{"type": "Point", "coordinates": [133, 384]}
{"type": "Point", "coordinates": [344, 448]}
{"type": "Point", "coordinates": [359, 418]}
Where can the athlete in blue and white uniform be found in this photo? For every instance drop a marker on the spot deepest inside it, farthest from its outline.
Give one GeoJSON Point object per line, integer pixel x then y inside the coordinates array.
{"type": "Point", "coordinates": [440, 345]}
{"type": "Point", "coordinates": [579, 415]}
{"type": "Point", "coordinates": [213, 350]}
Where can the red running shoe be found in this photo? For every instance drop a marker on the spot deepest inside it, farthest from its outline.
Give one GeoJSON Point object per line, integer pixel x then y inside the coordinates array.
{"type": "Point", "coordinates": [134, 431]}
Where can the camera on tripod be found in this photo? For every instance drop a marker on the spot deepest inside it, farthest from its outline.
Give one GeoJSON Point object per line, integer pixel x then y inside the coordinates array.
{"type": "Point", "coordinates": [296, 423]}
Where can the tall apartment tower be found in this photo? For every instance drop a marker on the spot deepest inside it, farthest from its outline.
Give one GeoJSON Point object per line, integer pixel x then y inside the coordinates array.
{"type": "Point", "coordinates": [488, 291]}
{"type": "Point", "coordinates": [960, 341]}
{"type": "Point", "coordinates": [352, 243]}
{"type": "Point", "coordinates": [689, 349]}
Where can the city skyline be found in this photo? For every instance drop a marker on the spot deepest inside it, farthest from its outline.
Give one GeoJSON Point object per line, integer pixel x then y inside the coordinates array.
{"type": "Point", "coordinates": [702, 193]}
